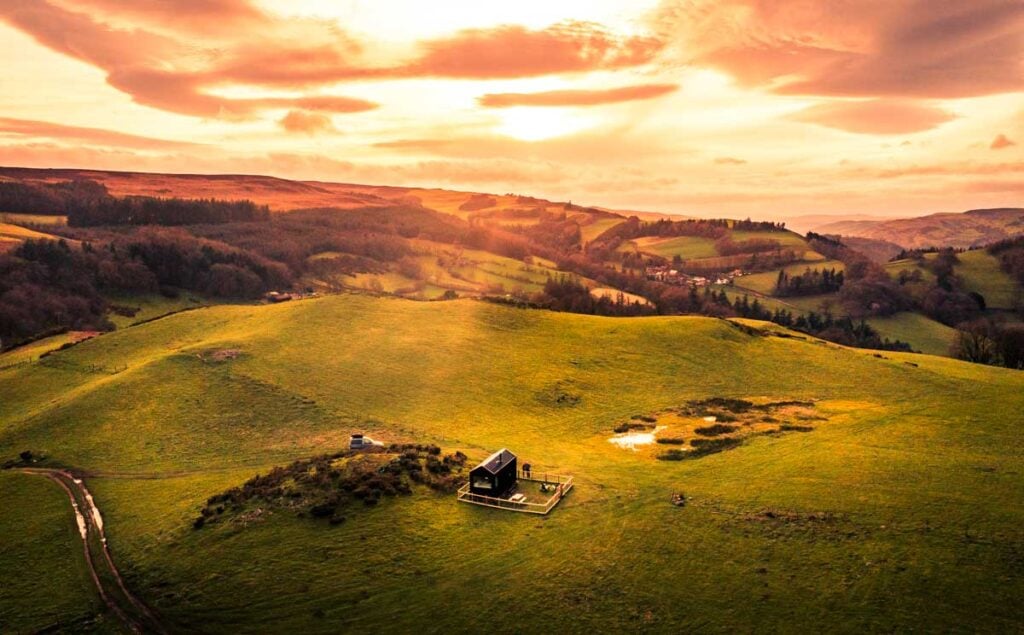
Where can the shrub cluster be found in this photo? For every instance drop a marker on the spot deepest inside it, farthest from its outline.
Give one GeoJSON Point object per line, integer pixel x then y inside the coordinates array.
{"type": "Point", "coordinates": [703, 447]}
{"type": "Point", "coordinates": [700, 447]}
{"type": "Point", "coordinates": [324, 486]}
{"type": "Point", "coordinates": [671, 440]}
{"type": "Point", "coordinates": [714, 406]}
{"type": "Point", "coordinates": [715, 430]}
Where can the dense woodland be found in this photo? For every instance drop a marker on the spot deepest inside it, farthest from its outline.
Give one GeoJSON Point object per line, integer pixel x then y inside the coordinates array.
{"type": "Point", "coordinates": [49, 286]}
{"type": "Point", "coordinates": [48, 198]}
{"type": "Point", "coordinates": [88, 204]}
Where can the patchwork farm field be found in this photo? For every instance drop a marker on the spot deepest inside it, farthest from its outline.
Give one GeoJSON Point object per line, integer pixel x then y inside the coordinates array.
{"type": "Point", "coordinates": [908, 485]}
{"type": "Point", "coordinates": [438, 268]}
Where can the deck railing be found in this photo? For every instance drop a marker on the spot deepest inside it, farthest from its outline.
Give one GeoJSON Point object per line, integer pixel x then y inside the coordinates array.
{"type": "Point", "coordinates": [562, 486]}
{"type": "Point", "coordinates": [542, 477]}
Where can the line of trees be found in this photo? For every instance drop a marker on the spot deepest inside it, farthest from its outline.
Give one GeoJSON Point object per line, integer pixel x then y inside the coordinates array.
{"type": "Point", "coordinates": [810, 282]}
{"type": "Point", "coordinates": [714, 228]}
{"type": "Point", "coordinates": [148, 210]}
{"type": "Point", "coordinates": [841, 330]}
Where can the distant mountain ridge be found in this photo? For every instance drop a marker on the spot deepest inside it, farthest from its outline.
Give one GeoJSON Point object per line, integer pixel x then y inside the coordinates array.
{"type": "Point", "coordinates": [967, 229]}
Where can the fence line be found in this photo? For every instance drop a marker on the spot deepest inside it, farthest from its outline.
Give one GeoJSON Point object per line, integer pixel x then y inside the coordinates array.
{"type": "Point", "coordinates": [562, 486]}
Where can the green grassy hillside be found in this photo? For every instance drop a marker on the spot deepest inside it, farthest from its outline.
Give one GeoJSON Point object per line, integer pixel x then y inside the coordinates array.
{"type": "Point", "coordinates": [688, 247]}
{"type": "Point", "coordinates": [924, 334]}
{"type": "Point", "coordinates": [908, 487]}
{"type": "Point", "coordinates": [44, 581]}
{"type": "Point", "coordinates": [978, 271]}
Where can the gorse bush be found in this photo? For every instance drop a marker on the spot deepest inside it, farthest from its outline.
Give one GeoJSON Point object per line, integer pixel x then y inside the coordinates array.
{"type": "Point", "coordinates": [715, 430]}
{"type": "Point", "coordinates": [323, 486]}
{"type": "Point", "coordinates": [671, 440]}
{"type": "Point", "coordinates": [703, 447]}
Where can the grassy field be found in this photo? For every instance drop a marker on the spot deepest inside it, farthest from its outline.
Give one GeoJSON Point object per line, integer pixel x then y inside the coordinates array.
{"type": "Point", "coordinates": [785, 238]}
{"type": "Point", "coordinates": [765, 282]}
{"type": "Point", "coordinates": [468, 272]}
{"type": "Point", "coordinates": [10, 232]}
{"type": "Point", "coordinates": [979, 272]}
{"type": "Point", "coordinates": [33, 219]}
{"type": "Point", "coordinates": [924, 334]}
{"type": "Point", "coordinates": [908, 488]}
{"type": "Point", "coordinates": [44, 582]}
{"type": "Point", "coordinates": [608, 292]}
{"type": "Point", "coordinates": [31, 351]}
{"type": "Point", "coordinates": [590, 231]}
{"type": "Point", "coordinates": [472, 278]}
{"type": "Point", "coordinates": [698, 248]}
{"type": "Point", "coordinates": [686, 247]}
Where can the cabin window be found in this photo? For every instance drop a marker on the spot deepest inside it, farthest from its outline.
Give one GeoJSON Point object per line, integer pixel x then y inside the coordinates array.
{"type": "Point", "coordinates": [482, 483]}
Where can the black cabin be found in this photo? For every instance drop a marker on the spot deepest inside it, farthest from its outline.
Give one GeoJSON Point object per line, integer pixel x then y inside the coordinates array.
{"type": "Point", "coordinates": [496, 476]}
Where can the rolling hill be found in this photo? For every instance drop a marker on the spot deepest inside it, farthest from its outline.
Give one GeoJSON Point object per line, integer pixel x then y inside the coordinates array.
{"type": "Point", "coordinates": [968, 229]}
{"type": "Point", "coordinates": [978, 271]}
{"type": "Point", "coordinates": [904, 482]}
{"type": "Point", "coordinates": [429, 244]}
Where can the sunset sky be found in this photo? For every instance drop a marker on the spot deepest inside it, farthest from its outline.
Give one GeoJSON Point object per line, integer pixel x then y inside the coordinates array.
{"type": "Point", "coordinates": [760, 107]}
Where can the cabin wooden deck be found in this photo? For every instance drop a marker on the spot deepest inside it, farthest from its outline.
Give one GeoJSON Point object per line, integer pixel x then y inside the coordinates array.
{"type": "Point", "coordinates": [562, 486]}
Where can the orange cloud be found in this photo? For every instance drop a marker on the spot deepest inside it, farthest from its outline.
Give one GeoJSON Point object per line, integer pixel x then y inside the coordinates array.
{"type": "Point", "coordinates": [905, 48]}
{"type": "Point", "coordinates": [577, 97]}
{"type": "Point", "coordinates": [877, 116]}
{"type": "Point", "coordinates": [173, 75]}
{"type": "Point", "coordinates": [201, 15]}
{"type": "Point", "coordinates": [514, 51]}
{"type": "Point", "coordinates": [30, 128]}
{"type": "Point", "coordinates": [729, 161]}
{"type": "Point", "coordinates": [173, 66]}
{"type": "Point", "coordinates": [1000, 142]}
{"type": "Point", "coordinates": [311, 123]}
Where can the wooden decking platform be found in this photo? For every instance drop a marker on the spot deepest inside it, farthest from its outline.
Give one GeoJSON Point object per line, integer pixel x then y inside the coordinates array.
{"type": "Point", "coordinates": [561, 483]}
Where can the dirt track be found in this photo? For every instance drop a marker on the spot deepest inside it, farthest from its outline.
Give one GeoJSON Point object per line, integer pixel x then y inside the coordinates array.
{"type": "Point", "coordinates": [131, 611]}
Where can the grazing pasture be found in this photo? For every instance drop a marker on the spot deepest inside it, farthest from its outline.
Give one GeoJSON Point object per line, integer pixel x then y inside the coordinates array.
{"type": "Point", "coordinates": [686, 247]}
{"type": "Point", "coordinates": [909, 486]}
{"type": "Point", "coordinates": [922, 333]}
{"type": "Point", "coordinates": [45, 582]}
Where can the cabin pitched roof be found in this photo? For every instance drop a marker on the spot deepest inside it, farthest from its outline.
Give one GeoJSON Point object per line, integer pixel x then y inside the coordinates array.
{"type": "Point", "coordinates": [496, 461]}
